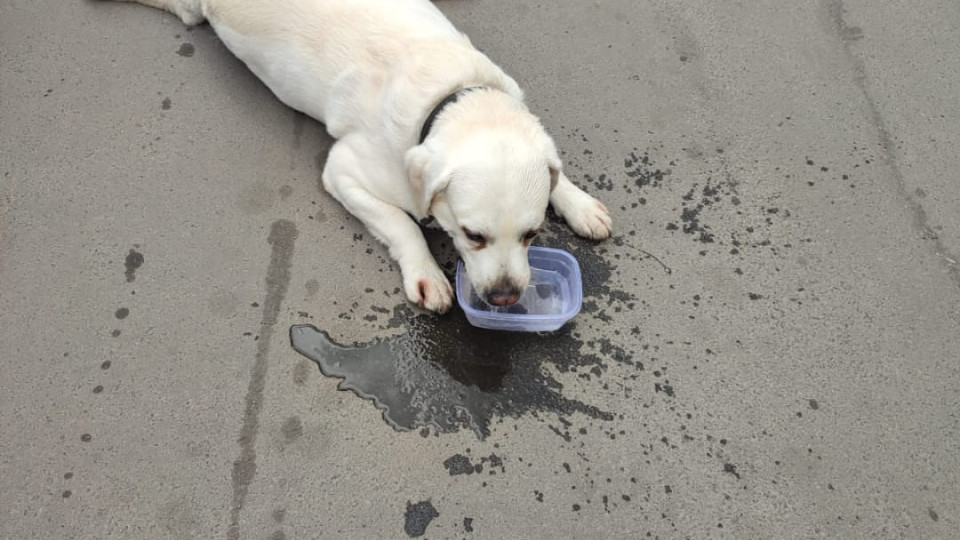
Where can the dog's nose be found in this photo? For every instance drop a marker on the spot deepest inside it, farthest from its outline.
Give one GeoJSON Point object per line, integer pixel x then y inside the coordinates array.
{"type": "Point", "coordinates": [506, 297]}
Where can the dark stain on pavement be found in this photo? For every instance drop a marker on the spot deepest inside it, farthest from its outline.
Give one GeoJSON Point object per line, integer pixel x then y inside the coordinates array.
{"type": "Point", "coordinates": [133, 261]}
{"type": "Point", "coordinates": [418, 517]}
{"type": "Point", "coordinates": [283, 234]}
{"type": "Point", "coordinates": [459, 464]}
{"type": "Point", "coordinates": [186, 50]}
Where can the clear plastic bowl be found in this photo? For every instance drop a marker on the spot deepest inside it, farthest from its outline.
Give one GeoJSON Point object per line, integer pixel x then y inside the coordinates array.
{"type": "Point", "coordinates": [554, 296]}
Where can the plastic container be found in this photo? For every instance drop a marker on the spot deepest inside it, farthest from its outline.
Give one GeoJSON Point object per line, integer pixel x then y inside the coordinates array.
{"type": "Point", "coordinates": [554, 296]}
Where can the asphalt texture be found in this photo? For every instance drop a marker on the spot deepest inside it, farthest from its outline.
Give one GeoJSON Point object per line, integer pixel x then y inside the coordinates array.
{"type": "Point", "coordinates": [768, 347]}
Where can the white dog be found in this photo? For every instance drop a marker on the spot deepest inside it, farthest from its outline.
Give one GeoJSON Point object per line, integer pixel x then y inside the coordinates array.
{"type": "Point", "coordinates": [426, 126]}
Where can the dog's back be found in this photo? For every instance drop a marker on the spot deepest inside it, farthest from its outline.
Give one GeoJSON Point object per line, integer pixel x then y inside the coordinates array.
{"type": "Point", "coordinates": [310, 51]}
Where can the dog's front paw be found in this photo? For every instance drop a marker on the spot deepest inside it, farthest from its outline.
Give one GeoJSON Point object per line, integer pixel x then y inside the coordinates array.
{"type": "Point", "coordinates": [427, 287]}
{"type": "Point", "coordinates": [587, 216]}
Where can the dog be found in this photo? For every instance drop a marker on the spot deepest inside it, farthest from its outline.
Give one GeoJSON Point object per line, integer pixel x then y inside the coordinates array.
{"type": "Point", "coordinates": [425, 125]}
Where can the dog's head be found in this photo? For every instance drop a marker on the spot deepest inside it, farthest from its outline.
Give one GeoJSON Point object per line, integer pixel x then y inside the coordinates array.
{"type": "Point", "coordinates": [485, 174]}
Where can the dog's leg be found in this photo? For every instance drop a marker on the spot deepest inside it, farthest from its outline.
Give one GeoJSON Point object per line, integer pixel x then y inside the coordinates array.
{"type": "Point", "coordinates": [189, 11]}
{"type": "Point", "coordinates": [423, 281]}
{"type": "Point", "coordinates": [587, 216]}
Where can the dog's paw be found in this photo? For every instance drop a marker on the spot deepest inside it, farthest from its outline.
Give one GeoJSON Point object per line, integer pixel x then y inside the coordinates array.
{"type": "Point", "coordinates": [427, 287]}
{"type": "Point", "coordinates": [587, 216]}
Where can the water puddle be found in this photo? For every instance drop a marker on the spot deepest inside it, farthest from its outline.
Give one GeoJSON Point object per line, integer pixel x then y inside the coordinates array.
{"type": "Point", "coordinates": [444, 373]}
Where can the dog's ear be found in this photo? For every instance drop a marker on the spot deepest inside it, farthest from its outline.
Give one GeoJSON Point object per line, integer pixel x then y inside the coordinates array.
{"type": "Point", "coordinates": [425, 177]}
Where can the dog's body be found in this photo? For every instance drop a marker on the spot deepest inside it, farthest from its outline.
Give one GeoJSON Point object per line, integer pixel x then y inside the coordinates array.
{"type": "Point", "coordinates": [372, 71]}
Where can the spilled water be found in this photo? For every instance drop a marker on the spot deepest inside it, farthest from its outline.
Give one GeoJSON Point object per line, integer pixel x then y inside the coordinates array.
{"type": "Point", "coordinates": [443, 372]}
{"type": "Point", "coordinates": [447, 374]}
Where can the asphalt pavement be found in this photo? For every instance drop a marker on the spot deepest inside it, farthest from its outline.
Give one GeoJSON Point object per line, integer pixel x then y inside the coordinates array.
{"type": "Point", "coordinates": [768, 348]}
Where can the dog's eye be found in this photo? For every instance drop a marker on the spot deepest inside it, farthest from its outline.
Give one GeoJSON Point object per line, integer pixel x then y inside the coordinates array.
{"type": "Point", "coordinates": [530, 235]}
{"type": "Point", "coordinates": [474, 237]}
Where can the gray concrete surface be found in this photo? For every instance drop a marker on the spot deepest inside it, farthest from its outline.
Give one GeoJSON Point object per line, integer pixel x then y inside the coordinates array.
{"type": "Point", "coordinates": [800, 371]}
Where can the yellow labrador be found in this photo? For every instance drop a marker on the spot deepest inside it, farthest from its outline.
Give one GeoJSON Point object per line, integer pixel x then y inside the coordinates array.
{"type": "Point", "coordinates": [425, 124]}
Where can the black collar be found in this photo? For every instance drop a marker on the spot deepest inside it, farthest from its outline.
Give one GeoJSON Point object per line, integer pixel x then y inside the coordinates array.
{"type": "Point", "coordinates": [452, 98]}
